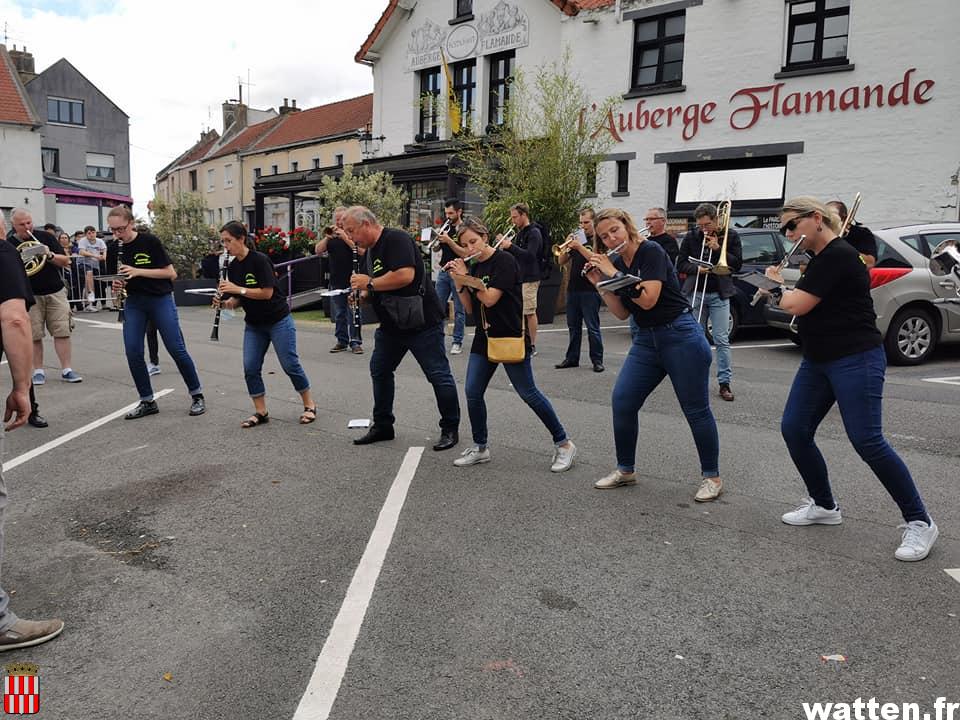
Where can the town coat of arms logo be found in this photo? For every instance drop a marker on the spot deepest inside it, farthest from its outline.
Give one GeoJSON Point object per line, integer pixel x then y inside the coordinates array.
{"type": "Point", "coordinates": [21, 689]}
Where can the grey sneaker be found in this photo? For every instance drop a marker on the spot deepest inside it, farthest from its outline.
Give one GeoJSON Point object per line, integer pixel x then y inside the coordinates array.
{"type": "Point", "coordinates": [812, 514]}
{"type": "Point", "coordinates": [26, 633]}
{"type": "Point", "coordinates": [918, 538]}
{"type": "Point", "coordinates": [615, 480]}
{"type": "Point", "coordinates": [563, 457]}
{"type": "Point", "coordinates": [710, 490]}
{"type": "Point", "coordinates": [39, 377]}
{"type": "Point", "coordinates": [472, 456]}
{"type": "Point", "coordinates": [456, 348]}
{"type": "Point", "coordinates": [70, 376]}
{"type": "Point", "coordinates": [153, 369]}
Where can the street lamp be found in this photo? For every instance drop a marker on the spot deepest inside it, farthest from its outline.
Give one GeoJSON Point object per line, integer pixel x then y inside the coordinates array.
{"type": "Point", "coordinates": [367, 140]}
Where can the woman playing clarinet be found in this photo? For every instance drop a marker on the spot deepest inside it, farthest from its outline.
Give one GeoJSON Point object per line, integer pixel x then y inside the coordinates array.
{"type": "Point", "coordinates": [252, 284]}
{"type": "Point", "coordinates": [667, 341]}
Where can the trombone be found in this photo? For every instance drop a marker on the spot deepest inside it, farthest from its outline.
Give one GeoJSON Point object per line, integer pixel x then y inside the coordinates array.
{"type": "Point", "coordinates": [721, 267]}
{"type": "Point", "coordinates": [845, 228]}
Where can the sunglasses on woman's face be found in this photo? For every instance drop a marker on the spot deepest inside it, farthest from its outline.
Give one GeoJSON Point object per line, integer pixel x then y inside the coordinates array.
{"type": "Point", "coordinates": [791, 225]}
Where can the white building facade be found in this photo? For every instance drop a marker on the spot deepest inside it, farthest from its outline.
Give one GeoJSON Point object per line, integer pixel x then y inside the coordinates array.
{"type": "Point", "coordinates": [752, 100]}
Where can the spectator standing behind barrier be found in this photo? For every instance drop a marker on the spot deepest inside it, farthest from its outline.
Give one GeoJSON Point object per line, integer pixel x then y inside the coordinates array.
{"type": "Point", "coordinates": [15, 343]}
{"type": "Point", "coordinates": [52, 309]}
{"type": "Point", "coordinates": [411, 320]}
{"type": "Point", "coordinates": [91, 251]}
{"type": "Point", "coordinates": [71, 273]}
{"type": "Point", "coordinates": [583, 302]}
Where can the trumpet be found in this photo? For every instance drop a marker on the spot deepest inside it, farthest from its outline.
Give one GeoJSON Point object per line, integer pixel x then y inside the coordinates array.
{"type": "Point", "coordinates": [434, 244]}
{"type": "Point", "coordinates": [508, 235]}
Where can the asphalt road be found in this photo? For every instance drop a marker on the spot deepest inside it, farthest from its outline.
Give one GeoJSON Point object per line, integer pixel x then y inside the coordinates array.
{"type": "Point", "coordinates": [199, 567]}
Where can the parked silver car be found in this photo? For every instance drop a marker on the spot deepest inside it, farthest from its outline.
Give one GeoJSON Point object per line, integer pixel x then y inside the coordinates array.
{"type": "Point", "coordinates": [907, 297]}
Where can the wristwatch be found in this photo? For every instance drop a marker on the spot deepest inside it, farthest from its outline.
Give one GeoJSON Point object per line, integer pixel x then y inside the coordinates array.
{"type": "Point", "coordinates": [243, 291]}
{"type": "Point", "coordinates": [369, 285]}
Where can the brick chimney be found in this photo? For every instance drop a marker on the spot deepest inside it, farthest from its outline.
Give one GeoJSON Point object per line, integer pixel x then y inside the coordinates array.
{"type": "Point", "coordinates": [23, 62]}
{"type": "Point", "coordinates": [285, 108]}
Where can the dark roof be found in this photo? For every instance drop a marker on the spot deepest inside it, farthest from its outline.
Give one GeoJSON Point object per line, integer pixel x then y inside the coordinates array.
{"type": "Point", "coordinates": [15, 106]}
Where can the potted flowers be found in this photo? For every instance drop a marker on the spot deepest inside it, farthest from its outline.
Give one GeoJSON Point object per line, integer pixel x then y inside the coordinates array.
{"type": "Point", "coordinates": [273, 242]}
{"type": "Point", "coordinates": [302, 241]}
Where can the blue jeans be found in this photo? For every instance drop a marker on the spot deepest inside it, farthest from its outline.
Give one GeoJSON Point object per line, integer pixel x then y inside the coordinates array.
{"type": "Point", "coordinates": [479, 372]}
{"type": "Point", "coordinates": [428, 349]}
{"type": "Point", "coordinates": [584, 307]}
{"type": "Point", "coordinates": [446, 288]}
{"type": "Point", "coordinates": [680, 350]}
{"type": "Point", "coordinates": [161, 310]}
{"type": "Point", "coordinates": [717, 310]}
{"type": "Point", "coordinates": [346, 331]}
{"type": "Point", "coordinates": [256, 340]}
{"type": "Point", "coordinates": [855, 384]}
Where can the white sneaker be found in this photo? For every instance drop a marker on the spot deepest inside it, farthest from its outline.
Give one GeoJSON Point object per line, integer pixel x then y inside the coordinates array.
{"type": "Point", "coordinates": [812, 514]}
{"type": "Point", "coordinates": [710, 490]}
{"type": "Point", "coordinates": [153, 369]}
{"type": "Point", "coordinates": [615, 479]}
{"type": "Point", "coordinates": [39, 377]}
{"type": "Point", "coordinates": [456, 349]}
{"type": "Point", "coordinates": [563, 457]}
{"type": "Point", "coordinates": [918, 538]}
{"type": "Point", "coordinates": [472, 456]}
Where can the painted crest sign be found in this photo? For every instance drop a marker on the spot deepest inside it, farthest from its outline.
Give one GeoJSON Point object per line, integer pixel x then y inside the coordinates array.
{"type": "Point", "coordinates": [21, 689]}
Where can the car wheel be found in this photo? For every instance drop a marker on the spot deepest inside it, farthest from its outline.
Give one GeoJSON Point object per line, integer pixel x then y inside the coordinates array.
{"type": "Point", "coordinates": [734, 326]}
{"type": "Point", "coordinates": [911, 337]}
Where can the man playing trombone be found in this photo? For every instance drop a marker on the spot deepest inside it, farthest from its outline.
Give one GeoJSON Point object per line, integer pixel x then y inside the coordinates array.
{"type": "Point", "coordinates": [708, 290]}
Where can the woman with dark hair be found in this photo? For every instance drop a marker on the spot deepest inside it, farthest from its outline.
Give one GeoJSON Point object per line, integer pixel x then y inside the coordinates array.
{"type": "Point", "coordinates": [667, 341]}
{"type": "Point", "coordinates": [843, 364]}
{"type": "Point", "coordinates": [252, 284]}
{"type": "Point", "coordinates": [498, 310]}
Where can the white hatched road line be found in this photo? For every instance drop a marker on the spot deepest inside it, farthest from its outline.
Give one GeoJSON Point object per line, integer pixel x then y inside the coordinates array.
{"type": "Point", "coordinates": [954, 380]}
{"type": "Point", "coordinates": [36, 452]}
{"type": "Point", "coordinates": [324, 685]}
{"type": "Point", "coordinates": [100, 323]}
{"type": "Point", "coordinates": [954, 573]}
{"type": "Point", "coordinates": [602, 327]}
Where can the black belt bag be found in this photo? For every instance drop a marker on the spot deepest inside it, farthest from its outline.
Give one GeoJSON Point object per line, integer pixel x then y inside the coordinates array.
{"type": "Point", "coordinates": [405, 312]}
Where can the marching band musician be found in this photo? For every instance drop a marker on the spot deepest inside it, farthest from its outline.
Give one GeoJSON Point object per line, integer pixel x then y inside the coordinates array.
{"type": "Point", "coordinates": [339, 249]}
{"type": "Point", "coordinates": [527, 251]}
{"type": "Point", "coordinates": [666, 342]}
{"type": "Point", "coordinates": [843, 364]}
{"type": "Point", "coordinates": [719, 288]}
{"type": "Point", "coordinates": [583, 302]}
{"type": "Point", "coordinates": [501, 316]}
{"type": "Point", "coordinates": [149, 276]}
{"type": "Point", "coordinates": [450, 249]}
{"type": "Point", "coordinates": [398, 286]}
{"type": "Point", "coordinates": [252, 284]}
{"type": "Point", "coordinates": [656, 220]}
{"type": "Point", "coordinates": [860, 236]}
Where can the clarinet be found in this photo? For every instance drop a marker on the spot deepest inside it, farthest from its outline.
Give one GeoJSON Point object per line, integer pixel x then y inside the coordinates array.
{"type": "Point", "coordinates": [120, 295]}
{"type": "Point", "coordinates": [215, 333]}
{"type": "Point", "coordinates": [357, 319]}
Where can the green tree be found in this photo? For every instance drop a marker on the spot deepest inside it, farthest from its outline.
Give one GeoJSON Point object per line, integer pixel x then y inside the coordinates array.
{"type": "Point", "coordinates": [373, 190]}
{"type": "Point", "coordinates": [182, 227]}
{"type": "Point", "coordinates": [547, 152]}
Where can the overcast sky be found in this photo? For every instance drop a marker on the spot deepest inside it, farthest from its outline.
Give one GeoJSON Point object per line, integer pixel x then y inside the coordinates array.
{"type": "Point", "coordinates": [169, 65]}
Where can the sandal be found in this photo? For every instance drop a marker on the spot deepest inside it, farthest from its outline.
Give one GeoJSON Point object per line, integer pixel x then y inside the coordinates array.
{"type": "Point", "coordinates": [308, 416]}
{"type": "Point", "coordinates": [255, 419]}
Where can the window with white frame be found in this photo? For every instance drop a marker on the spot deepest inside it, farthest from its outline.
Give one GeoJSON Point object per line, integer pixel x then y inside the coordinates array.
{"type": "Point", "coordinates": [100, 166]}
{"type": "Point", "coordinates": [211, 180]}
{"type": "Point", "coordinates": [228, 175]}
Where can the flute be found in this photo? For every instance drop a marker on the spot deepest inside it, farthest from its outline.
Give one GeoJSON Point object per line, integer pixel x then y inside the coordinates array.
{"type": "Point", "coordinates": [610, 254]}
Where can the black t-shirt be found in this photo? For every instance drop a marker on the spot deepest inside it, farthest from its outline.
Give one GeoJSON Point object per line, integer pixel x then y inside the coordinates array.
{"type": "Point", "coordinates": [146, 251]}
{"type": "Point", "coordinates": [862, 240]}
{"type": "Point", "coordinates": [256, 271]}
{"type": "Point", "coordinates": [668, 243]}
{"type": "Point", "coordinates": [48, 280]}
{"type": "Point", "coordinates": [577, 282]}
{"type": "Point", "coordinates": [506, 316]}
{"type": "Point", "coordinates": [651, 263]}
{"type": "Point", "coordinates": [446, 252]}
{"type": "Point", "coordinates": [843, 323]}
{"type": "Point", "coordinates": [526, 249]}
{"type": "Point", "coordinates": [341, 262]}
{"type": "Point", "coordinates": [210, 266]}
{"type": "Point", "coordinates": [113, 246]}
{"type": "Point", "coordinates": [13, 279]}
{"type": "Point", "coordinates": [395, 250]}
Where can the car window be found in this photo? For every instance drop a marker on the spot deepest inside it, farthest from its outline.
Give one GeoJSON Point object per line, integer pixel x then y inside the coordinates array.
{"type": "Point", "coordinates": [888, 257]}
{"type": "Point", "coordinates": [917, 243]}
{"type": "Point", "coordinates": [759, 249]}
{"type": "Point", "coordinates": [934, 239]}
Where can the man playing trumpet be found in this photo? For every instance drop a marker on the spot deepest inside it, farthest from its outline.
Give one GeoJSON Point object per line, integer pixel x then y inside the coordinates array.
{"type": "Point", "coordinates": [583, 301]}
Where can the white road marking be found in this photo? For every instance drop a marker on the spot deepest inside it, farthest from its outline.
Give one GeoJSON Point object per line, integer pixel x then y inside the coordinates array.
{"type": "Point", "coordinates": [602, 327]}
{"type": "Point", "coordinates": [101, 323]}
{"type": "Point", "coordinates": [955, 380]}
{"type": "Point", "coordinates": [954, 573]}
{"type": "Point", "coordinates": [734, 346]}
{"type": "Point", "coordinates": [67, 437]}
{"type": "Point", "coordinates": [321, 692]}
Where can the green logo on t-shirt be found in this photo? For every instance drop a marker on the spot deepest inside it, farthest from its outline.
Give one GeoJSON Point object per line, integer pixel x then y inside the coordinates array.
{"type": "Point", "coordinates": [141, 258]}
{"type": "Point", "coordinates": [486, 280]}
{"type": "Point", "coordinates": [377, 267]}
{"type": "Point", "coordinates": [250, 280]}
